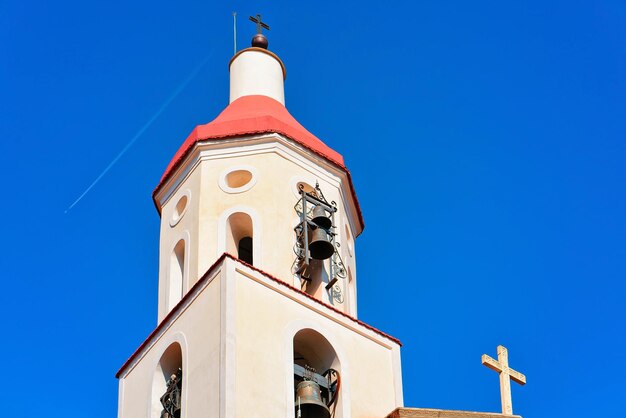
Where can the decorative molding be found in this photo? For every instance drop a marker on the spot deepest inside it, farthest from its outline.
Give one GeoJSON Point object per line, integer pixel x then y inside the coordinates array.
{"type": "Point", "coordinates": [228, 337]}
{"type": "Point", "coordinates": [120, 397]}
{"type": "Point", "coordinates": [397, 376]}
{"type": "Point", "coordinates": [318, 166]}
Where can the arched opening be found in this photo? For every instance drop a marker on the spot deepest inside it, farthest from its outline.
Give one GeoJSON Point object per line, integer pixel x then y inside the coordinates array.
{"type": "Point", "coordinates": [317, 375]}
{"type": "Point", "coordinates": [177, 272]}
{"type": "Point", "coordinates": [167, 384]}
{"type": "Point", "coordinates": [239, 236]}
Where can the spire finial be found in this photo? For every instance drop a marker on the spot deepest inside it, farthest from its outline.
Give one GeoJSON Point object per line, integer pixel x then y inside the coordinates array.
{"type": "Point", "coordinates": [259, 40]}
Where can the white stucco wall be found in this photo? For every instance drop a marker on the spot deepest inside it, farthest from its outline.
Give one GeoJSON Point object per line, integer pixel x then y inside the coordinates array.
{"type": "Point", "coordinates": [197, 328]}
{"type": "Point", "coordinates": [236, 330]}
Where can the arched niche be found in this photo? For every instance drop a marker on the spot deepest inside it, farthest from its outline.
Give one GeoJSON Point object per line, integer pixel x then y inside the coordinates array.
{"type": "Point", "coordinates": [240, 236]}
{"type": "Point", "coordinates": [170, 364]}
{"type": "Point", "coordinates": [176, 275]}
{"type": "Point", "coordinates": [311, 350]}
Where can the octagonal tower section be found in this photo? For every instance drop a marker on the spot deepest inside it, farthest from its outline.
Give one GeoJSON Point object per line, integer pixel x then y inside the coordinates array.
{"type": "Point", "coordinates": [234, 185]}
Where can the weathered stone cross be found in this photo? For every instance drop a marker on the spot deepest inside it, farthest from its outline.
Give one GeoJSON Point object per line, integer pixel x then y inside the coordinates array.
{"type": "Point", "coordinates": [502, 366]}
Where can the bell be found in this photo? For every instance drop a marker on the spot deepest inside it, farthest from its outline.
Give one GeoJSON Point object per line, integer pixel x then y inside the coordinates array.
{"type": "Point", "coordinates": [319, 218]}
{"type": "Point", "coordinates": [320, 247]}
{"type": "Point", "coordinates": [309, 401]}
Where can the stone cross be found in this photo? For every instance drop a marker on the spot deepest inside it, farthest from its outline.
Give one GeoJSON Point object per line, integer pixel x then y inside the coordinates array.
{"type": "Point", "coordinates": [502, 366]}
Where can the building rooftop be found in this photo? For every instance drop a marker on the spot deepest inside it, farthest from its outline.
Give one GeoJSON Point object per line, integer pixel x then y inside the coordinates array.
{"type": "Point", "coordinates": [249, 115]}
{"type": "Point", "coordinates": [441, 413]}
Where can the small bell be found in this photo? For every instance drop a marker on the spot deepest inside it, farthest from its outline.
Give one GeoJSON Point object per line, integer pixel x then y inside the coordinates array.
{"type": "Point", "coordinates": [309, 401]}
{"type": "Point", "coordinates": [320, 247]}
{"type": "Point", "coordinates": [319, 218]}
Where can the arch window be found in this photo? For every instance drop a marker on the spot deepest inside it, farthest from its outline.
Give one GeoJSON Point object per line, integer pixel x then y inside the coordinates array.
{"type": "Point", "coordinates": [177, 271]}
{"type": "Point", "coordinates": [167, 384]}
{"type": "Point", "coordinates": [316, 361]}
{"type": "Point", "coordinates": [240, 236]}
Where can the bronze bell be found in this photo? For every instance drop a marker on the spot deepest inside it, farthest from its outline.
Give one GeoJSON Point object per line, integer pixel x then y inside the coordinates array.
{"type": "Point", "coordinates": [309, 401]}
{"type": "Point", "coordinates": [320, 247]}
{"type": "Point", "coordinates": [319, 218]}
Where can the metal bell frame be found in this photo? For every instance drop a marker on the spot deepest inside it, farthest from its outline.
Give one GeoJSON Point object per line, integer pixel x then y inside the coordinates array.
{"type": "Point", "coordinates": [305, 208]}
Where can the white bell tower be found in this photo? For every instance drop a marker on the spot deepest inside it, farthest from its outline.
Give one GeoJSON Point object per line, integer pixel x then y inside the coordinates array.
{"type": "Point", "coordinates": [257, 312]}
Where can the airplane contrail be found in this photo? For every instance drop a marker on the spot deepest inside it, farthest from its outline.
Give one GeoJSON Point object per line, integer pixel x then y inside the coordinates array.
{"type": "Point", "coordinates": [176, 92]}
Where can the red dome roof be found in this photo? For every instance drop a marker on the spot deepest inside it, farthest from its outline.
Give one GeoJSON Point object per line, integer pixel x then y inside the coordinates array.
{"type": "Point", "coordinates": [254, 115]}
{"type": "Point", "coordinates": [249, 115]}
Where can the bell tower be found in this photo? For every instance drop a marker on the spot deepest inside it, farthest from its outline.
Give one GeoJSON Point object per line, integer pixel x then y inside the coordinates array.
{"type": "Point", "coordinates": [257, 306]}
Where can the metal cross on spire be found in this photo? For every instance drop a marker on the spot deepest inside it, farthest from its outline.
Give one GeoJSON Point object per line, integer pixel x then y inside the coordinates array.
{"type": "Point", "coordinates": [259, 40]}
{"type": "Point", "coordinates": [502, 367]}
{"type": "Point", "coordinates": [260, 25]}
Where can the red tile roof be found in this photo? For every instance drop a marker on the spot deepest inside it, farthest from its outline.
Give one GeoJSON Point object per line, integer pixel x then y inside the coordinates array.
{"type": "Point", "coordinates": [250, 115]}
{"type": "Point", "coordinates": [206, 276]}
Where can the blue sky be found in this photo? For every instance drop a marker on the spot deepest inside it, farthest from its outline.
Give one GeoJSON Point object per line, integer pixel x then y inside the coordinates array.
{"type": "Point", "coordinates": [486, 143]}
